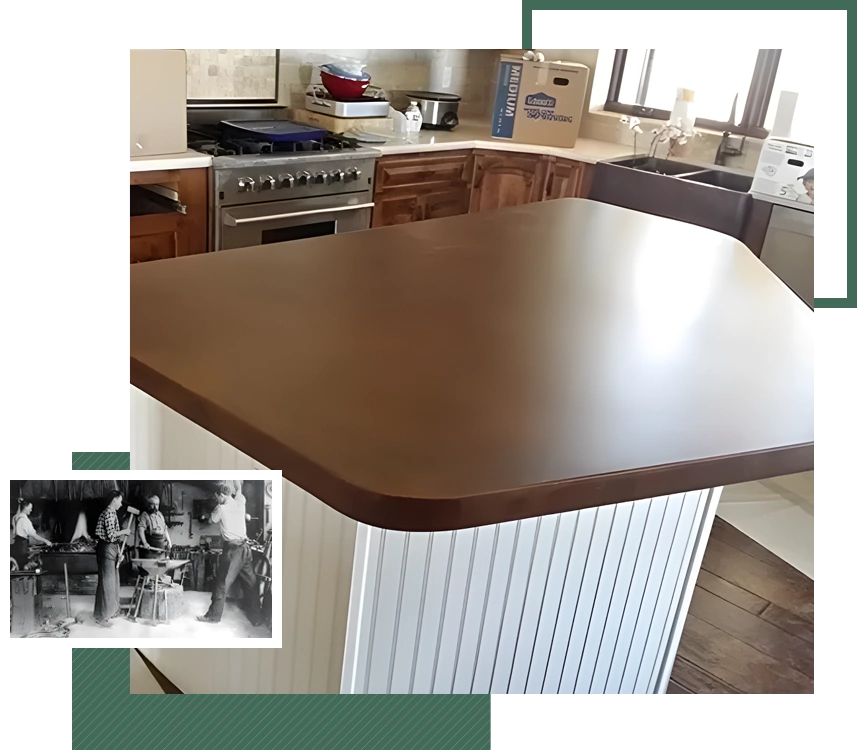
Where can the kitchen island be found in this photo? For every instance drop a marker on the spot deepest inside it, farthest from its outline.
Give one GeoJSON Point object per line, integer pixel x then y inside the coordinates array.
{"type": "Point", "coordinates": [502, 437]}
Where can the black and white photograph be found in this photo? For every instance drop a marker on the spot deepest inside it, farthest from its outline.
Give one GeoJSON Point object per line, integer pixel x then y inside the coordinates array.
{"type": "Point", "coordinates": [183, 558]}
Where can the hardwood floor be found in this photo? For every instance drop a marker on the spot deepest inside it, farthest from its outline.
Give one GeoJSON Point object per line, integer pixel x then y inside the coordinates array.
{"type": "Point", "coordinates": [750, 625]}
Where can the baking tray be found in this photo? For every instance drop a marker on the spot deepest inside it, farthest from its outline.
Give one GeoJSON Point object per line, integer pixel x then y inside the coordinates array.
{"type": "Point", "coordinates": [279, 131]}
{"type": "Point", "coordinates": [358, 108]}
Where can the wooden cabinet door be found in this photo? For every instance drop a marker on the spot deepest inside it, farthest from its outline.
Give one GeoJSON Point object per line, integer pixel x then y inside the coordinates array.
{"type": "Point", "coordinates": [400, 206]}
{"type": "Point", "coordinates": [447, 203]}
{"type": "Point", "coordinates": [503, 179]}
{"type": "Point", "coordinates": [407, 204]}
{"type": "Point", "coordinates": [157, 236]}
{"type": "Point", "coordinates": [153, 247]}
{"type": "Point", "coordinates": [568, 179]}
{"type": "Point", "coordinates": [415, 187]}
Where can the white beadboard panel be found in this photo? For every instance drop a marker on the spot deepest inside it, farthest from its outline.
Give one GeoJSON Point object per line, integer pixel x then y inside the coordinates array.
{"type": "Point", "coordinates": [317, 556]}
{"type": "Point", "coordinates": [589, 601]}
{"type": "Point", "coordinates": [702, 524]}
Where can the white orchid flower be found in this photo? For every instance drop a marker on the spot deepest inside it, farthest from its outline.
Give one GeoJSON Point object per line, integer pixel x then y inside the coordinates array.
{"type": "Point", "coordinates": [624, 118]}
{"type": "Point", "coordinates": [636, 128]}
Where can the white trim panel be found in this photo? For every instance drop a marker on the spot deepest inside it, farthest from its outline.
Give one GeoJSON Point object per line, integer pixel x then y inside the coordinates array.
{"type": "Point", "coordinates": [590, 601]}
{"type": "Point", "coordinates": [317, 556]}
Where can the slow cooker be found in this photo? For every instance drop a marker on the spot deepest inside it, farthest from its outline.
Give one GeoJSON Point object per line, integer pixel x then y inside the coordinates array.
{"type": "Point", "coordinates": [439, 111]}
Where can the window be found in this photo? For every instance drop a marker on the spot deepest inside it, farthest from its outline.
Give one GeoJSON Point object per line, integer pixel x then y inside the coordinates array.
{"type": "Point", "coordinates": [796, 74]}
{"type": "Point", "coordinates": [732, 88]}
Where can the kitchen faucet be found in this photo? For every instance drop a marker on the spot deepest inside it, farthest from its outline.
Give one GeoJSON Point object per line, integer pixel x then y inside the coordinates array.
{"type": "Point", "coordinates": [724, 149]}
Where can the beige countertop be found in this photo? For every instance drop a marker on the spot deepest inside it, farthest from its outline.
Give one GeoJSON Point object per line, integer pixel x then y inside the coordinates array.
{"type": "Point", "coordinates": [478, 135]}
{"type": "Point", "coordinates": [188, 160]}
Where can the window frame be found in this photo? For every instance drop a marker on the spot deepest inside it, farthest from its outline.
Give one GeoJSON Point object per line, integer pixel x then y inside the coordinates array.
{"type": "Point", "coordinates": [755, 106]}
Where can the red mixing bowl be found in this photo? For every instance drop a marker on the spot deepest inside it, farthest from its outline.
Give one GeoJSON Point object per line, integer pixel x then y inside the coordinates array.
{"type": "Point", "coordinates": [343, 88]}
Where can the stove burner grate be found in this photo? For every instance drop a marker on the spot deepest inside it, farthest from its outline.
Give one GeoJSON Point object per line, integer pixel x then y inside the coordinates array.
{"type": "Point", "coordinates": [213, 141]}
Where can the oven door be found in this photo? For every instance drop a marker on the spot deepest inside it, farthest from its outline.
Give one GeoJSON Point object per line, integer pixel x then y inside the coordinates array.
{"type": "Point", "coordinates": [283, 221]}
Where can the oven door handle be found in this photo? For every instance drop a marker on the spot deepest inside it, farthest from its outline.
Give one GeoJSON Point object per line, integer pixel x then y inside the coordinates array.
{"type": "Point", "coordinates": [231, 221]}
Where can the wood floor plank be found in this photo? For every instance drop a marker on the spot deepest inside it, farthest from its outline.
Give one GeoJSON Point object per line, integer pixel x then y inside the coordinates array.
{"type": "Point", "coordinates": [673, 688]}
{"type": "Point", "coordinates": [793, 624]}
{"type": "Point", "coordinates": [696, 680]}
{"type": "Point", "coordinates": [732, 593]}
{"type": "Point", "coordinates": [728, 534]}
{"type": "Point", "coordinates": [794, 592]}
{"type": "Point", "coordinates": [753, 630]}
{"type": "Point", "coordinates": [741, 666]}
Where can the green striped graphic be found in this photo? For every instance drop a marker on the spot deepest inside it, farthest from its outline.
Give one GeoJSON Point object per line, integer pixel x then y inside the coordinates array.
{"type": "Point", "coordinates": [100, 461]}
{"type": "Point", "coordinates": [105, 715]}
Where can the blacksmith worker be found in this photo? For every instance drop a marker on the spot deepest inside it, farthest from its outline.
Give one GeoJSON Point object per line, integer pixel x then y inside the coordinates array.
{"type": "Point", "coordinates": [236, 562]}
{"type": "Point", "coordinates": [808, 181]}
{"type": "Point", "coordinates": [22, 532]}
{"type": "Point", "coordinates": [108, 534]}
{"type": "Point", "coordinates": [152, 529]}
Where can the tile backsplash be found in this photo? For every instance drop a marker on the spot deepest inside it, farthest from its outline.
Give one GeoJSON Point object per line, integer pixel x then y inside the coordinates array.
{"type": "Point", "coordinates": [231, 74]}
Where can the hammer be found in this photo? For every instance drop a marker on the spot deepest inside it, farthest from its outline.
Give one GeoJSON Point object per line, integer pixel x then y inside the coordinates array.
{"type": "Point", "coordinates": [132, 512]}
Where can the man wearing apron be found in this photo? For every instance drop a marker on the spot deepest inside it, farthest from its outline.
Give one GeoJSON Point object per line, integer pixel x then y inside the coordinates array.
{"type": "Point", "coordinates": [152, 528]}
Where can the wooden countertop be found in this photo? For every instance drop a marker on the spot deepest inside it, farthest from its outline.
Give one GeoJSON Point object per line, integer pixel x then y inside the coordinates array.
{"type": "Point", "coordinates": [489, 367]}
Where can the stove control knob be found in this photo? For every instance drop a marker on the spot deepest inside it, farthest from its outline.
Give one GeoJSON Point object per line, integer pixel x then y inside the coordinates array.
{"type": "Point", "coordinates": [245, 184]}
{"type": "Point", "coordinates": [266, 182]}
{"type": "Point", "coordinates": [288, 181]}
{"type": "Point", "coordinates": [337, 175]}
{"type": "Point", "coordinates": [353, 173]}
{"type": "Point", "coordinates": [304, 178]}
{"type": "Point", "coordinates": [321, 177]}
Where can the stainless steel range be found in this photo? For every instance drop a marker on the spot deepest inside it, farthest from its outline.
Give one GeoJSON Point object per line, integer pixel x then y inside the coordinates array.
{"type": "Point", "coordinates": [277, 191]}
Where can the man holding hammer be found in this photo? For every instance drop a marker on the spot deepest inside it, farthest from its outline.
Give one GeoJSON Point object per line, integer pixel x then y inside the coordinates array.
{"type": "Point", "coordinates": [236, 561]}
{"type": "Point", "coordinates": [107, 554]}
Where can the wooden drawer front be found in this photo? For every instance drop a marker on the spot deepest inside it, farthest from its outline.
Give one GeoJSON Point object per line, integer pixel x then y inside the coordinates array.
{"type": "Point", "coordinates": [417, 203]}
{"type": "Point", "coordinates": [153, 247]}
{"type": "Point", "coordinates": [448, 168]}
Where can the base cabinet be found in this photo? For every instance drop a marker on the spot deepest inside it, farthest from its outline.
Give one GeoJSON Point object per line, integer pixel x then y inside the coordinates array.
{"type": "Point", "coordinates": [157, 230]}
{"type": "Point", "coordinates": [416, 187]}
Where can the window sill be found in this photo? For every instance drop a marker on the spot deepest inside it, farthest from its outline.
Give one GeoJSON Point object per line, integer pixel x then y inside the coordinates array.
{"type": "Point", "coordinates": [648, 123]}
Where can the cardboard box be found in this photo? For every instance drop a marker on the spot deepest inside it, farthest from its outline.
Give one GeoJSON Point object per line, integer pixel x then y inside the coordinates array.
{"type": "Point", "coordinates": [539, 102]}
{"type": "Point", "coordinates": [786, 170]}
